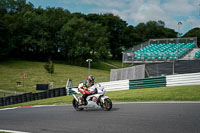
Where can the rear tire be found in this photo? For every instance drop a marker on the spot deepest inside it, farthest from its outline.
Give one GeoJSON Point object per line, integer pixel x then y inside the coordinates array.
{"type": "Point", "coordinates": [75, 105]}
{"type": "Point", "coordinates": [107, 105]}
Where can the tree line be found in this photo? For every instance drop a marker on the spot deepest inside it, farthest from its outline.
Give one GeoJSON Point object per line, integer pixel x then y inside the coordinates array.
{"type": "Point", "coordinates": [37, 33]}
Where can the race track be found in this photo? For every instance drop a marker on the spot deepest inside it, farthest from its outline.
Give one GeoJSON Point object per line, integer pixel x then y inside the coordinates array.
{"type": "Point", "coordinates": [123, 118]}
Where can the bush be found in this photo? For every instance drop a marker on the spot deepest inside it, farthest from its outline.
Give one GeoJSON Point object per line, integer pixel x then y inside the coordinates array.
{"type": "Point", "coordinates": [49, 66]}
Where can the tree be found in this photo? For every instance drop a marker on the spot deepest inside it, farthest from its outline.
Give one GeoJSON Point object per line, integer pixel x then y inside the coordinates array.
{"type": "Point", "coordinates": [115, 28]}
{"type": "Point", "coordinates": [195, 32]}
{"type": "Point", "coordinates": [36, 40]}
{"type": "Point", "coordinates": [37, 33]}
{"type": "Point", "coordinates": [81, 39]}
{"type": "Point", "coordinates": [4, 36]}
{"type": "Point", "coordinates": [56, 18]}
{"type": "Point", "coordinates": [130, 37]}
{"type": "Point", "coordinates": [153, 29]}
{"type": "Point", "coordinates": [49, 66]}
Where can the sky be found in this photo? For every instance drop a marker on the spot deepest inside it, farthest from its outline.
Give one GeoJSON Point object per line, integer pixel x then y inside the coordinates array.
{"type": "Point", "coordinates": [136, 11]}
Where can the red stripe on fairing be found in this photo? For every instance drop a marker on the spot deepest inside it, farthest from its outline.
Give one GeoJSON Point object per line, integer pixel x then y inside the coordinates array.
{"type": "Point", "coordinates": [24, 107]}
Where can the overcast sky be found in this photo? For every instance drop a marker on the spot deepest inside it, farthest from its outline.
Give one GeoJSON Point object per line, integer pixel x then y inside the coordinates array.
{"type": "Point", "coordinates": [136, 11]}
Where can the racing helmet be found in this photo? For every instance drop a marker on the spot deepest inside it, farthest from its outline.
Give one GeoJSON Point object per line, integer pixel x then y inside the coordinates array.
{"type": "Point", "coordinates": [91, 79]}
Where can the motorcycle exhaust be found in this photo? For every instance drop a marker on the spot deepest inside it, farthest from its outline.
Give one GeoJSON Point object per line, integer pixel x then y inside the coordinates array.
{"type": "Point", "coordinates": [75, 97]}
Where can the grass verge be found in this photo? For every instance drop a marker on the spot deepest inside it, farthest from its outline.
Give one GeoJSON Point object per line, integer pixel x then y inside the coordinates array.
{"type": "Point", "coordinates": [117, 63]}
{"type": "Point", "coordinates": [12, 71]}
{"type": "Point", "coordinates": [178, 93]}
{"type": "Point", "coordinates": [3, 94]}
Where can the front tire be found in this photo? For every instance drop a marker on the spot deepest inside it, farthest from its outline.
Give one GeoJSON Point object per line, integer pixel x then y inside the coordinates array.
{"type": "Point", "coordinates": [75, 105]}
{"type": "Point", "coordinates": [107, 105]}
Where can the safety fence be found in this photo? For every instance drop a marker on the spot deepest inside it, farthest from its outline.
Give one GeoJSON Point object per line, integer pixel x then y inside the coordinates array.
{"type": "Point", "coordinates": [170, 68]}
{"type": "Point", "coordinates": [134, 72]}
{"type": "Point", "coordinates": [26, 97]}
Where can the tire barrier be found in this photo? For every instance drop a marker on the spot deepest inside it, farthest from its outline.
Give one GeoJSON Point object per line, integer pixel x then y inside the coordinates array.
{"type": "Point", "coordinates": [26, 97]}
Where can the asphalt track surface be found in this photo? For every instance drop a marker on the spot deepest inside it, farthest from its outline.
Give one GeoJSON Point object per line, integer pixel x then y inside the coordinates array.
{"type": "Point", "coordinates": [123, 118]}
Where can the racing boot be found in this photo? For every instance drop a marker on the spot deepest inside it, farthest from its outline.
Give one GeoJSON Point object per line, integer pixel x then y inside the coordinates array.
{"type": "Point", "coordinates": [81, 101]}
{"type": "Point", "coordinates": [84, 101]}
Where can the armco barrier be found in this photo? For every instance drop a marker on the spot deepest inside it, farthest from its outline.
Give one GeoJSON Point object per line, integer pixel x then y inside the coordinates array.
{"type": "Point", "coordinates": [116, 85]}
{"type": "Point", "coordinates": [32, 96]}
{"type": "Point", "coordinates": [147, 82]}
{"type": "Point", "coordinates": [183, 79]}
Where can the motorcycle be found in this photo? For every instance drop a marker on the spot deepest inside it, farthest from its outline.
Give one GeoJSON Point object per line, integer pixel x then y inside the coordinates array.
{"type": "Point", "coordinates": [95, 100]}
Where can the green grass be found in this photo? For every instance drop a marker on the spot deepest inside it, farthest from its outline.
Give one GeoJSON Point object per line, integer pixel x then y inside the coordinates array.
{"type": "Point", "coordinates": [11, 71]}
{"type": "Point", "coordinates": [117, 63]}
{"type": "Point", "coordinates": [180, 93]}
{"type": "Point", "coordinates": [101, 66]}
{"type": "Point", "coordinates": [3, 94]}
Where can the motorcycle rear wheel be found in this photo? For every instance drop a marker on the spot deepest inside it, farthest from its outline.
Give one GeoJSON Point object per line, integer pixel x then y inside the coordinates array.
{"type": "Point", "coordinates": [107, 105]}
{"type": "Point", "coordinates": [75, 105]}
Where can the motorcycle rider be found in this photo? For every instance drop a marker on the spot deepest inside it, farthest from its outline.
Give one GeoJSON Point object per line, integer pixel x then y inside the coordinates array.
{"type": "Point", "coordinates": [83, 88]}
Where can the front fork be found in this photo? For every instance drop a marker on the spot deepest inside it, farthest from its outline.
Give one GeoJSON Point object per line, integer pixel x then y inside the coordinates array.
{"type": "Point", "coordinates": [75, 97]}
{"type": "Point", "coordinates": [103, 98]}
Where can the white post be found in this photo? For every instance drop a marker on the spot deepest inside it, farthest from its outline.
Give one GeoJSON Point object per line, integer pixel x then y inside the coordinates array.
{"type": "Point", "coordinates": [179, 24]}
{"type": "Point", "coordinates": [122, 59]}
{"type": "Point", "coordinates": [88, 60]}
{"type": "Point", "coordinates": [173, 68]}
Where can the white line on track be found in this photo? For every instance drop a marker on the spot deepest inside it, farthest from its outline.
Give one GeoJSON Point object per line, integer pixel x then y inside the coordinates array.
{"type": "Point", "coordinates": [11, 131]}
{"type": "Point", "coordinates": [8, 108]}
{"type": "Point", "coordinates": [36, 106]}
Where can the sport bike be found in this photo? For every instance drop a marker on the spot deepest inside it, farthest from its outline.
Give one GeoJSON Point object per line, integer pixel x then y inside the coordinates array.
{"type": "Point", "coordinates": [95, 100]}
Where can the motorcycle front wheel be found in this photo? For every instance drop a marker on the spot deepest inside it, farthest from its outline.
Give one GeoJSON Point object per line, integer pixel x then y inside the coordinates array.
{"type": "Point", "coordinates": [107, 105]}
{"type": "Point", "coordinates": [75, 105]}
